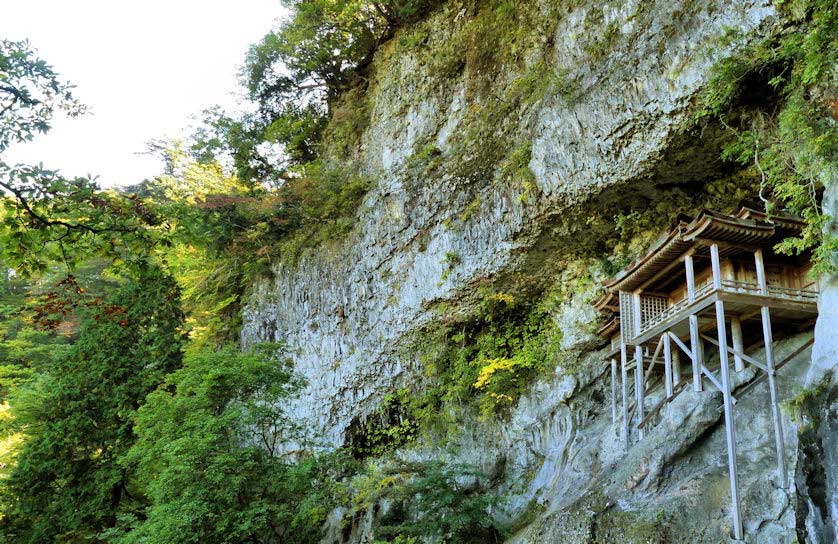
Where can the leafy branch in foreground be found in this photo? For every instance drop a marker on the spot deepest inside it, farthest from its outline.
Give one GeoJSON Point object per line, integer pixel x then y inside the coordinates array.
{"type": "Point", "coordinates": [30, 92]}
{"type": "Point", "coordinates": [48, 219]}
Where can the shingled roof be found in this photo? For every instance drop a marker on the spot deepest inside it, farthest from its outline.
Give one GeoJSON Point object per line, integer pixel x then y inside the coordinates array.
{"type": "Point", "coordinates": [747, 227]}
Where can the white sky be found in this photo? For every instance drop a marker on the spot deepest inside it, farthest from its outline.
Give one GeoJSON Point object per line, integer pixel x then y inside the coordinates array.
{"type": "Point", "coordinates": [143, 68]}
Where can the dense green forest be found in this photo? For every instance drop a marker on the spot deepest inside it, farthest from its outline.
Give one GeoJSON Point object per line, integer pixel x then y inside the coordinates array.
{"type": "Point", "coordinates": [129, 411]}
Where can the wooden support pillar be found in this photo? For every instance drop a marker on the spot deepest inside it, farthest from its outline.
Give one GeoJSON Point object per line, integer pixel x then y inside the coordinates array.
{"type": "Point", "coordinates": [695, 339]}
{"type": "Point", "coordinates": [730, 427]}
{"type": "Point", "coordinates": [638, 313]}
{"type": "Point", "coordinates": [667, 364]}
{"type": "Point", "coordinates": [760, 265]}
{"type": "Point", "coordinates": [676, 366]}
{"type": "Point", "coordinates": [738, 345]}
{"type": "Point", "coordinates": [624, 390]}
{"type": "Point", "coordinates": [772, 389]}
{"type": "Point", "coordinates": [768, 338]}
{"type": "Point", "coordinates": [614, 391]}
{"type": "Point", "coordinates": [639, 388]}
{"type": "Point", "coordinates": [715, 263]}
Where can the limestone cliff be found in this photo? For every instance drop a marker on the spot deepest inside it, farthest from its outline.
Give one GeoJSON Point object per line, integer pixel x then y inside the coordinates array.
{"type": "Point", "coordinates": [506, 167]}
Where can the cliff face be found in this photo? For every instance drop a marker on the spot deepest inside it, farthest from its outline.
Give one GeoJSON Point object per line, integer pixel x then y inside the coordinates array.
{"type": "Point", "coordinates": [495, 164]}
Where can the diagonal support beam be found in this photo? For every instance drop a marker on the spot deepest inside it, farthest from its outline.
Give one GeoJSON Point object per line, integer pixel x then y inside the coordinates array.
{"type": "Point", "coordinates": [653, 361]}
{"type": "Point", "coordinates": [715, 381]}
{"type": "Point", "coordinates": [762, 377]}
{"type": "Point", "coordinates": [681, 345]}
{"type": "Point", "coordinates": [741, 355]}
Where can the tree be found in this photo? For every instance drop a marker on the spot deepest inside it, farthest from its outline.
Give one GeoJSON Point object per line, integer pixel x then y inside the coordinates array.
{"type": "Point", "coordinates": [321, 47]}
{"type": "Point", "coordinates": [30, 93]}
{"type": "Point", "coordinates": [46, 217]}
{"type": "Point", "coordinates": [294, 75]}
{"type": "Point", "coordinates": [69, 482]}
{"type": "Point", "coordinates": [211, 446]}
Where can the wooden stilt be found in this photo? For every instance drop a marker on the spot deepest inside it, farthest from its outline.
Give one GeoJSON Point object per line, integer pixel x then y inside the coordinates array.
{"type": "Point", "coordinates": [772, 389]}
{"type": "Point", "coordinates": [639, 388]}
{"type": "Point", "coordinates": [698, 354]}
{"type": "Point", "coordinates": [624, 390]}
{"type": "Point", "coordinates": [695, 340]}
{"type": "Point", "coordinates": [736, 338]}
{"type": "Point", "coordinates": [768, 338]}
{"type": "Point", "coordinates": [688, 264]}
{"type": "Point", "coordinates": [676, 367]}
{"type": "Point", "coordinates": [667, 364]}
{"type": "Point", "coordinates": [715, 263]}
{"type": "Point", "coordinates": [730, 428]}
{"type": "Point", "coordinates": [614, 391]}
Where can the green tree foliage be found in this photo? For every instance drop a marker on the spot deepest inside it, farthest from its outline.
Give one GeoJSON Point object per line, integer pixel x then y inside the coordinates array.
{"type": "Point", "coordinates": [294, 75]}
{"type": "Point", "coordinates": [38, 321]}
{"type": "Point", "coordinates": [224, 233]}
{"type": "Point", "coordinates": [321, 47]}
{"type": "Point", "coordinates": [210, 449]}
{"type": "Point", "coordinates": [51, 219]}
{"type": "Point", "coordinates": [24, 349]}
{"type": "Point", "coordinates": [490, 359]}
{"type": "Point", "coordinates": [69, 483]}
{"type": "Point", "coordinates": [46, 217]}
{"type": "Point", "coordinates": [792, 148]}
{"type": "Point", "coordinates": [245, 143]}
{"type": "Point", "coordinates": [428, 502]}
{"type": "Point", "coordinates": [30, 93]}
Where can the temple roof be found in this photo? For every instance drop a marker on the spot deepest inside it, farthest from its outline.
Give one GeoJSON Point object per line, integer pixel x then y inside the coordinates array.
{"type": "Point", "coordinates": [610, 327]}
{"type": "Point", "coordinates": [607, 302]}
{"type": "Point", "coordinates": [747, 228]}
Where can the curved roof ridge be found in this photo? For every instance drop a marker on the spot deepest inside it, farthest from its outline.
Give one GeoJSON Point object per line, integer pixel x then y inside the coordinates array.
{"type": "Point", "coordinates": [746, 227]}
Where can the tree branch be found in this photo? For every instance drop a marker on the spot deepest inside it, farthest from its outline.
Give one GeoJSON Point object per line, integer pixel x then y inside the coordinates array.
{"type": "Point", "coordinates": [55, 222]}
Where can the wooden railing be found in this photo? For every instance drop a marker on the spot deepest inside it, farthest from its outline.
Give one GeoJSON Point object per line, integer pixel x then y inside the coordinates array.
{"type": "Point", "coordinates": [676, 308]}
{"type": "Point", "coordinates": [804, 294]}
{"type": "Point", "coordinates": [787, 293]}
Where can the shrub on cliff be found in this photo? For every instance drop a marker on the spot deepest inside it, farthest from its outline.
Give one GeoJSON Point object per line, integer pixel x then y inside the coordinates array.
{"type": "Point", "coordinates": [791, 147]}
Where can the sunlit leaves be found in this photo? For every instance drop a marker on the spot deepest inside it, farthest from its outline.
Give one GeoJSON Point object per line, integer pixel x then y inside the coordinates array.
{"type": "Point", "coordinates": [47, 218]}
{"type": "Point", "coordinates": [294, 75]}
{"type": "Point", "coordinates": [210, 450]}
{"type": "Point", "coordinates": [792, 149]}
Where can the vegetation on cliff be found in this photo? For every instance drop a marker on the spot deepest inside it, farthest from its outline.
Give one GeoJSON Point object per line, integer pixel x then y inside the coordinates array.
{"type": "Point", "coordinates": [129, 415]}
{"type": "Point", "coordinates": [777, 98]}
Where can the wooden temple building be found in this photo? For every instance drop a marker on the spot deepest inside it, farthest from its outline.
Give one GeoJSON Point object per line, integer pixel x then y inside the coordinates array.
{"type": "Point", "coordinates": [709, 287]}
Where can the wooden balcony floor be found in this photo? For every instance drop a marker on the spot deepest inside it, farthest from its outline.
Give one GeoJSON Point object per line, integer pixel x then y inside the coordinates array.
{"type": "Point", "coordinates": [788, 305]}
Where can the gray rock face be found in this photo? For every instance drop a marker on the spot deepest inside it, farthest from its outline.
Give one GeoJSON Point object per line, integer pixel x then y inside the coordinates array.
{"type": "Point", "coordinates": [350, 314]}
{"type": "Point", "coordinates": [825, 355]}
{"type": "Point", "coordinates": [672, 485]}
